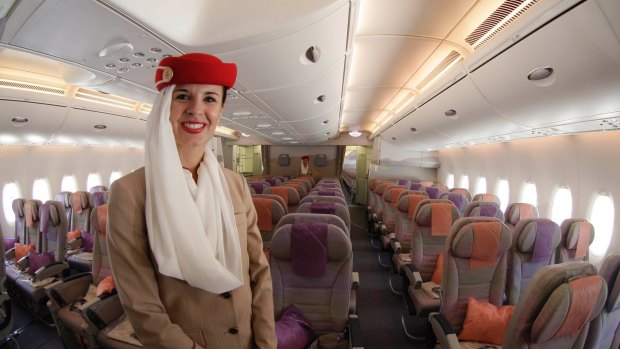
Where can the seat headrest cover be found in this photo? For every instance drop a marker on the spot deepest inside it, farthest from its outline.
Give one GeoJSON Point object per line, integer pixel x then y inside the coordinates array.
{"type": "Point", "coordinates": [457, 199]}
{"type": "Point", "coordinates": [31, 212]}
{"type": "Point", "coordinates": [545, 243]}
{"type": "Point", "coordinates": [309, 249]}
{"type": "Point", "coordinates": [79, 201]}
{"type": "Point", "coordinates": [488, 210]}
{"type": "Point", "coordinates": [415, 186]}
{"type": "Point", "coordinates": [579, 238]}
{"type": "Point", "coordinates": [409, 202]}
{"type": "Point", "coordinates": [258, 187]}
{"type": "Point", "coordinates": [402, 181]}
{"type": "Point", "coordinates": [326, 193]}
{"type": "Point", "coordinates": [45, 218]}
{"type": "Point", "coordinates": [433, 192]}
{"type": "Point", "coordinates": [525, 211]}
{"type": "Point", "coordinates": [64, 197]}
{"type": "Point", "coordinates": [326, 207]}
{"type": "Point", "coordinates": [18, 207]}
{"type": "Point", "coordinates": [281, 192]}
{"type": "Point", "coordinates": [441, 219]}
{"type": "Point", "coordinates": [569, 307]}
{"type": "Point", "coordinates": [424, 215]}
{"type": "Point", "coordinates": [102, 218]}
{"type": "Point", "coordinates": [263, 208]}
{"type": "Point", "coordinates": [50, 217]}
{"type": "Point", "coordinates": [99, 198]}
{"type": "Point", "coordinates": [483, 235]}
{"type": "Point", "coordinates": [393, 194]}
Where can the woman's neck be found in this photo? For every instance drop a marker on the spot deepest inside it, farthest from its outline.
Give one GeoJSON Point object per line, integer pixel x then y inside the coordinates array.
{"type": "Point", "coordinates": [190, 161]}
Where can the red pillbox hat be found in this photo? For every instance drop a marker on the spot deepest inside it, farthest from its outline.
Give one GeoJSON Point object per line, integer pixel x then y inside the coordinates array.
{"type": "Point", "coordinates": [195, 68]}
{"type": "Point", "coordinates": [305, 157]}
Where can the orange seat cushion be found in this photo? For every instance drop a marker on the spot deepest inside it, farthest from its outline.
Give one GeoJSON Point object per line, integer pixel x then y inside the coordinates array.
{"type": "Point", "coordinates": [21, 250]}
{"type": "Point", "coordinates": [485, 322]}
{"type": "Point", "coordinates": [105, 286]}
{"type": "Point", "coordinates": [74, 234]}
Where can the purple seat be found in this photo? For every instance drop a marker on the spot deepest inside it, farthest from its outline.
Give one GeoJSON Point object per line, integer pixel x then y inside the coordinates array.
{"type": "Point", "coordinates": [458, 199]}
{"type": "Point", "coordinates": [605, 329]}
{"type": "Point", "coordinates": [327, 207]}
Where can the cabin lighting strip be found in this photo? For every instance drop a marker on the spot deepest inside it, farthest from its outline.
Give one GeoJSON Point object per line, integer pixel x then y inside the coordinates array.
{"type": "Point", "coordinates": [146, 108]}
{"type": "Point", "coordinates": [32, 87]}
{"type": "Point", "coordinates": [451, 59]}
{"type": "Point", "coordinates": [498, 20]}
{"type": "Point", "coordinates": [97, 97]}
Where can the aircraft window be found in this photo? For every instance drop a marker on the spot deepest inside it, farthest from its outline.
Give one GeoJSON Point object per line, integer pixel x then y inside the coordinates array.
{"type": "Point", "coordinates": [464, 182]}
{"type": "Point", "coordinates": [93, 179]}
{"type": "Point", "coordinates": [115, 175]}
{"type": "Point", "coordinates": [450, 180]}
{"type": "Point", "coordinates": [528, 194]}
{"type": "Point", "coordinates": [41, 189]}
{"type": "Point", "coordinates": [10, 192]}
{"type": "Point", "coordinates": [503, 192]}
{"type": "Point", "coordinates": [562, 205]}
{"type": "Point", "coordinates": [481, 185]}
{"type": "Point", "coordinates": [69, 184]}
{"type": "Point", "coordinates": [602, 217]}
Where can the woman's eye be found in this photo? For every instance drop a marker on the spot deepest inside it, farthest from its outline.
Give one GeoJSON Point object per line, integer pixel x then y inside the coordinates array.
{"type": "Point", "coordinates": [210, 99]}
{"type": "Point", "coordinates": [182, 97]}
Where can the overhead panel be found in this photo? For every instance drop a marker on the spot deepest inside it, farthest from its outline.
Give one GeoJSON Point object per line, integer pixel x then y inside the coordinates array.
{"type": "Point", "coordinates": [80, 126]}
{"type": "Point", "coordinates": [43, 122]}
{"type": "Point", "coordinates": [586, 71]}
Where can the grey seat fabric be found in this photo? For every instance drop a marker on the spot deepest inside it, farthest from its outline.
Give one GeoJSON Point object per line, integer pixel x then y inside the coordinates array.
{"type": "Point", "coordinates": [517, 211]}
{"type": "Point", "coordinates": [577, 236]}
{"type": "Point", "coordinates": [401, 244]}
{"type": "Point", "coordinates": [557, 308]}
{"type": "Point", "coordinates": [270, 209]}
{"type": "Point", "coordinates": [390, 212]}
{"type": "Point", "coordinates": [298, 217]}
{"type": "Point", "coordinates": [534, 245]}
{"type": "Point", "coordinates": [65, 198]}
{"type": "Point", "coordinates": [292, 196]}
{"type": "Point", "coordinates": [484, 209]}
{"type": "Point", "coordinates": [475, 265]}
{"type": "Point", "coordinates": [98, 198]}
{"type": "Point", "coordinates": [486, 198]}
{"type": "Point", "coordinates": [6, 305]}
{"type": "Point", "coordinates": [319, 287]}
{"type": "Point", "coordinates": [605, 329]}
{"type": "Point", "coordinates": [20, 219]}
{"type": "Point", "coordinates": [340, 210]}
{"type": "Point", "coordinates": [80, 220]}
{"type": "Point", "coordinates": [426, 245]}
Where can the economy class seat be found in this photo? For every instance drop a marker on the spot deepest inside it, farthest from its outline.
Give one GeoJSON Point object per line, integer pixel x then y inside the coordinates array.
{"type": "Point", "coordinates": [433, 192]}
{"type": "Point", "coordinates": [6, 304]}
{"type": "Point", "coordinates": [298, 217]}
{"type": "Point", "coordinates": [46, 265]}
{"type": "Point", "coordinates": [311, 269]}
{"type": "Point", "coordinates": [289, 195]}
{"type": "Point", "coordinates": [20, 223]}
{"type": "Point", "coordinates": [432, 224]}
{"type": "Point", "coordinates": [605, 329]}
{"type": "Point", "coordinates": [557, 308]}
{"type": "Point", "coordinates": [485, 197]}
{"type": "Point", "coordinates": [577, 236]}
{"type": "Point", "coordinates": [28, 242]}
{"type": "Point", "coordinates": [415, 186]}
{"type": "Point", "coordinates": [475, 266]}
{"type": "Point", "coordinates": [275, 197]}
{"type": "Point", "coordinates": [458, 199]}
{"type": "Point", "coordinates": [258, 186]}
{"type": "Point", "coordinates": [269, 211]}
{"type": "Point", "coordinates": [300, 187]}
{"type": "Point", "coordinates": [463, 191]}
{"type": "Point", "coordinates": [98, 198]}
{"type": "Point", "coordinates": [517, 211]}
{"type": "Point", "coordinates": [79, 256]}
{"type": "Point", "coordinates": [304, 181]}
{"type": "Point", "coordinates": [401, 244]}
{"type": "Point", "coordinates": [534, 246]}
{"type": "Point", "coordinates": [98, 188]}
{"type": "Point", "coordinates": [390, 213]}
{"type": "Point", "coordinates": [65, 198]}
{"type": "Point", "coordinates": [317, 198]}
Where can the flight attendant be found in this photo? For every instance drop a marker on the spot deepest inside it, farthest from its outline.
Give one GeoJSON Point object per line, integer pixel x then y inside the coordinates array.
{"type": "Point", "coordinates": [186, 253]}
{"type": "Point", "coordinates": [304, 169]}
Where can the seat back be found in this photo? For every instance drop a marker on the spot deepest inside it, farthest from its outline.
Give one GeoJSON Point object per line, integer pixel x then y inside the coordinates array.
{"type": "Point", "coordinates": [373, 197]}
{"type": "Point", "coordinates": [101, 261]}
{"type": "Point", "coordinates": [463, 191]}
{"type": "Point", "coordinates": [486, 197]}
{"type": "Point", "coordinates": [518, 211]}
{"type": "Point", "coordinates": [20, 220]}
{"type": "Point", "coordinates": [290, 195]}
{"type": "Point", "coordinates": [268, 211]}
{"type": "Point", "coordinates": [484, 209]}
{"type": "Point", "coordinates": [415, 186]}
{"type": "Point", "coordinates": [326, 207]}
{"type": "Point", "coordinates": [33, 223]}
{"type": "Point", "coordinates": [6, 307]}
{"type": "Point", "coordinates": [65, 198]}
{"type": "Point", "coordinates": [80, 211]}
{"type": "Point", "coordinates": [305, 181]}
{"type": "Point", "coordinates": [300, 187]}
{"type": "Point", "coordinates": [431, 226]}
{"type": "Point", "coordinates": [311, 267]}
{"type": "Point", "coordinates": [259, 186]}
{"type": "Point", "coordinates": [275, 197]}
{"type": "Point", "coordinates": [97, 188]}
{"type": "Point", "coordinates": [404, 216]}
{"type": "Point", "coordinates": [534, 243]}
{"type": "Point", "coordinates": [475, 265]}
{"type": "Point", "coordinates": [433, 192]}
{"type": "Point", "coordinates": [458, 199]}
{"type": "Point", "coordinates": [557, 308]}
{"type": "Point", "coordinates": [605, 330]}
{"type": "Point", "coordinates": [577, 236]}
{"type": "Point", "coordinates": [297, 217]}
{"type": "Point", "coordinates": [390, 198]}
{"type": "Point", "coordinates": [54, 228]}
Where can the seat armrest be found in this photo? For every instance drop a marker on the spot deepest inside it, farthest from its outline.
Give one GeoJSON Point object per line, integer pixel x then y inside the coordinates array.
{"type": "Point", "coordinates": [383, 229]}
{"type": "Point", "coordinates": [355, 280]}
{"type": "Point", "coordinates": [444, 333]}
{"type": "Point", "coordinates": [68, 290]}
{"type": "Point", "coordinates": [23, 263]}
{"type": "Point", "coordinates": [413, 275]}
{"type": "Point", "coordinates": [52, 269]}
{"type": "Point", "coordinates": [75, 244]}
{"type": "Point", "coordinates": [10, 254]}
{"type": "Point", "coordinates": [100, 312]}
{"type": "Point", "coordinates": [355, 332]}
{"type": "Point", "coordinates": [396, 247]}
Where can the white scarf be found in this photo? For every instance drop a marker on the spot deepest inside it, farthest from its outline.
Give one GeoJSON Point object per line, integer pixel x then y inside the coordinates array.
{"type": "Point", "coordinates": [304, 168]}
{"type": "Point", "coordinates": [191, 228]}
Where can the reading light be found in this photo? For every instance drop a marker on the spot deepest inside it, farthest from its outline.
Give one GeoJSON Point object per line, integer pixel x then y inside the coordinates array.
{"type": "Point", "coordinates": [245, 134]}
{"type": "Point", "coordinates": [100, 127]}
{"type": "Point", "coordinates": [540, 73]}
{"type": "Point", "coordinates": [355, 133]}
{"type": "Point", "coordinates": [451, 113]}
{"type": "Point", "coordinates": [19, 121]}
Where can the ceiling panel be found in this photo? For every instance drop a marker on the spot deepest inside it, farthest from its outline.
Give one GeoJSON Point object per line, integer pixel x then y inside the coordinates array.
{"type": "Point", "coordinates": [80, 127]}
{"type": "Point", "coordinates": [369, 98]}
{"type": "Point", "coordinates": [43, 122]}
{"type": "Point", "coordinates": [317, 124]}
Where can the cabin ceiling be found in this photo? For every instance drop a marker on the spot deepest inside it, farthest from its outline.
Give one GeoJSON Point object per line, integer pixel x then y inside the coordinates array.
{"type": "Point", "coordinates": [391, 69]}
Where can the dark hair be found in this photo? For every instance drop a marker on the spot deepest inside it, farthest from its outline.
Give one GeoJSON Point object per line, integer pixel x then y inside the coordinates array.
{"type": "Point", "coordinates": [224, 95]}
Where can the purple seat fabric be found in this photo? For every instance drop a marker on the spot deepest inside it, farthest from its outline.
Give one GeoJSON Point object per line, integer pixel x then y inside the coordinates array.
{"type": "Point", "coordinates": [271, 181]}
{"type": "Point", "coordinates": [9, 243]}
{"type": "Point", "coordinates": [258, 187]}
{"type": "Point", "coordinates": [415, 186]}
{"type": "Point", "coordinates": [544, 240]}
{"type": "Point", "coordinates": [402, 181]}
{"type": "Point", "coordinates": [309, 249]}
{"type": "Point", "coordinates": [326, 193]}
{"type": "Point", "coordinates": [323, 207]}
{"type": "Point", "coordinates": [99, 198]}
{"type": "Point", "coordinates": [38, 260]}
{"type": "Point", "coordinates": [488, 211]}
{"type": "Point", "coordinates": [98, 188]}
{"type": "Point", "coordinates": [433, 192]}
{"type": "Point", "coordinates": [293, 329]}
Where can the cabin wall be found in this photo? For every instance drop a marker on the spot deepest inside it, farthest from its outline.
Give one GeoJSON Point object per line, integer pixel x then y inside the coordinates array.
{"type": "Point", "coordinates": [411, 172]}
{"type": "Point", "coordinates": [295, 153]}
{"type": "Point", "coordinates": [587, 163]}
{"type": "Point", "coordinates": [24, 164]}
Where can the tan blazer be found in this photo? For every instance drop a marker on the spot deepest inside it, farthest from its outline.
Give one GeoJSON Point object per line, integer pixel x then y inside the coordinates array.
{"type": "Point", "coordinates": [167, 312]}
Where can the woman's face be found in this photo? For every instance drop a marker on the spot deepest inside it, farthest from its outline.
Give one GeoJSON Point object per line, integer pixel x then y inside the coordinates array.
{"type": "Point", "coordinates": [194, 114]}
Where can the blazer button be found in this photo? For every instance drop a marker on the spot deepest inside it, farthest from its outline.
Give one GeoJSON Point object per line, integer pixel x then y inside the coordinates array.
{"type": "Point", "coordinates": [226, 295]}
{"type": "Point", "coordinates": [233, 330]}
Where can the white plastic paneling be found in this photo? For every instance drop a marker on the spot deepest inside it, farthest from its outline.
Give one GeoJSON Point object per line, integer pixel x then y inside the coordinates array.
{"type": "Point", "coordinates": [44, 120]}
{"type": "Point", "coordinates": [79, 127]}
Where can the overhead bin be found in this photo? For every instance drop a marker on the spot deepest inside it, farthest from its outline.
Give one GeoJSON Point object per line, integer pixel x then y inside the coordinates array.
{"type": "Point", "coordinates": [95, 128]}
{"type": "Point", "coordinates": [584, 52]}
{"type": "Point", "coordinates": [44, 121]}
{"type": "Point", "coordinates": [387, 153]}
